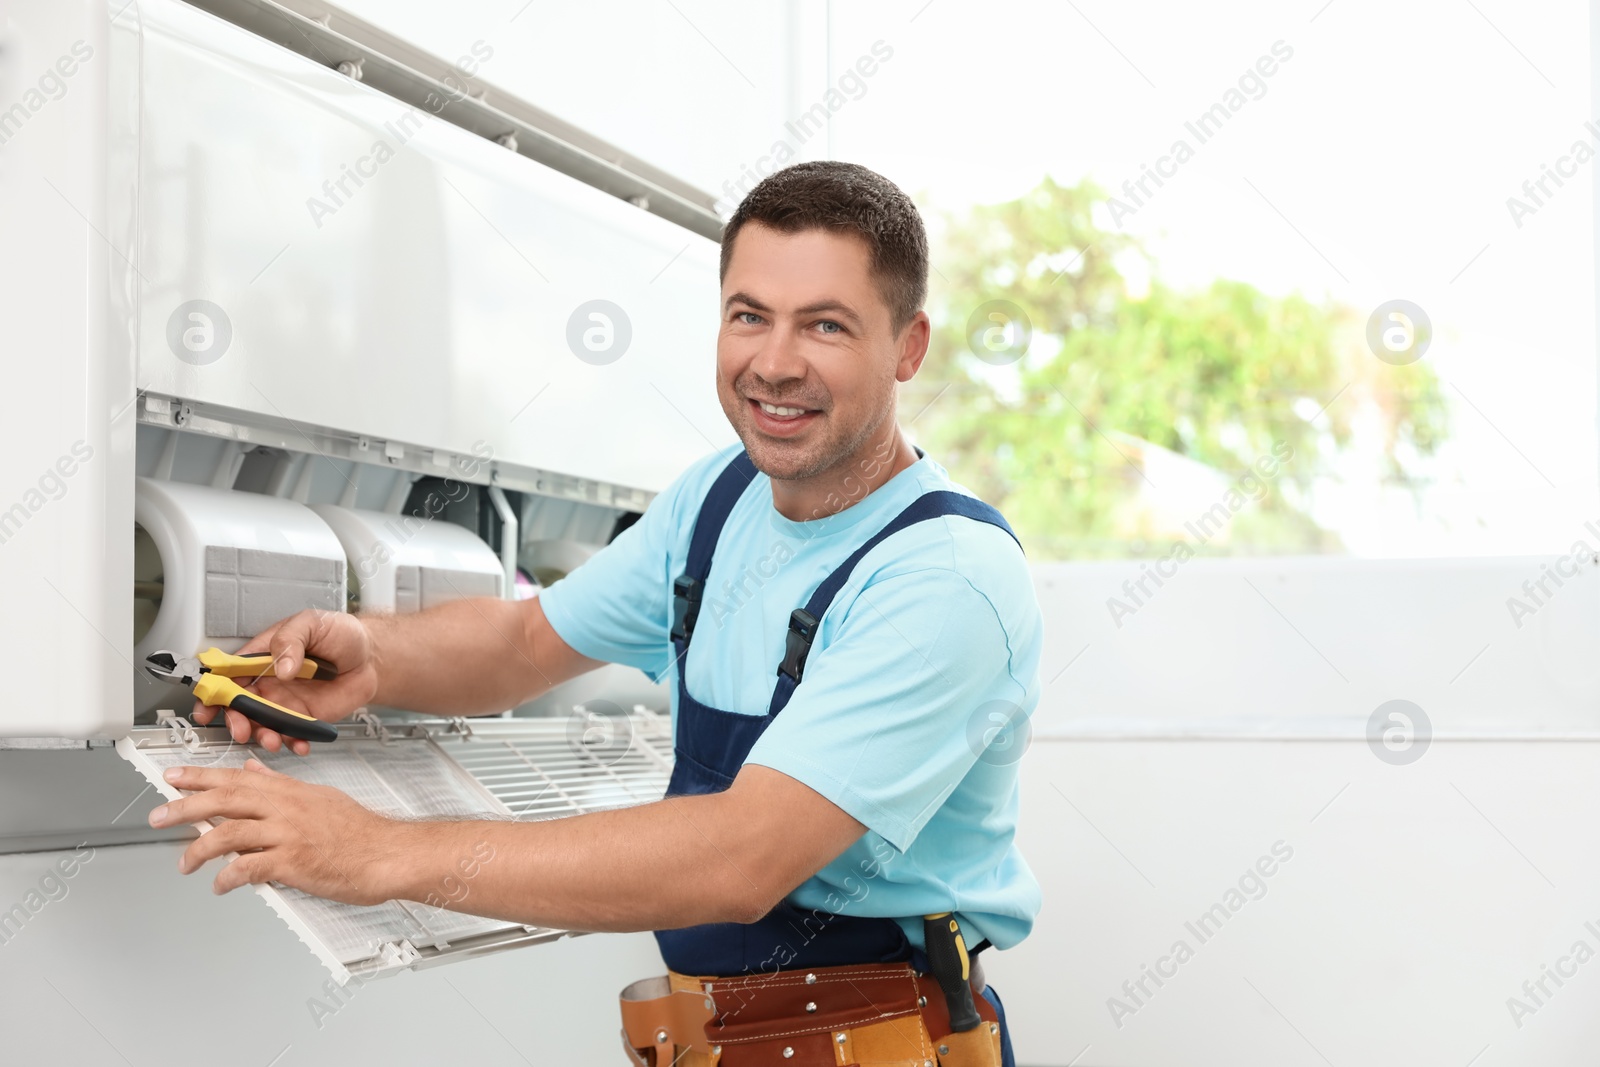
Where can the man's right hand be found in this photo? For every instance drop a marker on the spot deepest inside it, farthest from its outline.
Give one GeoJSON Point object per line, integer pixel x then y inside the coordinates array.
{"type": "Point", "coordinates": [335, 636]}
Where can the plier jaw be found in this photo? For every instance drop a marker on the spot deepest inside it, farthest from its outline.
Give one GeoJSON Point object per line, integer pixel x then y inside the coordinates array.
{"type": "Point", "coordinates": [166, 667]}
{"type": "Point", "coordinates": [211, 676]}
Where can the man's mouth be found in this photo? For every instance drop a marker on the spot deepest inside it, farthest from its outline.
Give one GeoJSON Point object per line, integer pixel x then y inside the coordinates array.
{"type": "Point", "coordinates": [781, 411]}
{"type": "Point", "coordinates": [779, 418]}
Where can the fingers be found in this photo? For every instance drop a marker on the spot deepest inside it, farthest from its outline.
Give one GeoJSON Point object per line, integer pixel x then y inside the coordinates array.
{"type": "Point", "coordinates": [262, 641]}
{"type": "Point", "coordinates": [226, 803]}
{"type": "Point", "coordinates": [273, 741]}
{"type": "Point", "coordinates": [335, 636]}
{"type": "Point", "coordinates": [252, 869]}
{"type": "Point", "coordinates": [270, 740]}
{"type": "Point", "coordinates": [232, 836]}
{"type": "Point", "coordinates": [255, 766]}
{"type": "Point", "coordinates": [287, 640]}
{"type": "Point", "coordinates": [238, 726]}
{"type": "Point", "coordinates": [276, 829]}
{"type": "Point", "coordinates": [288, 643]}
{"type": "Point", "coordinates": [205, 779]}
{"type": "Point", "coordinates": [245, 730]}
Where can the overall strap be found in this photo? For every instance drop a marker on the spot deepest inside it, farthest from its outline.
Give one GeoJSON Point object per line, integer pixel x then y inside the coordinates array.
{"type": "Point", "coordinates": [689, 586]}
{"type": "Point", "coordinates": [803, 621]}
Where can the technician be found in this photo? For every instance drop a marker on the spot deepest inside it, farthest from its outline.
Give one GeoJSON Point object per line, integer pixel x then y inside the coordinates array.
{"type": "Point", "coordinates": [852, 642]}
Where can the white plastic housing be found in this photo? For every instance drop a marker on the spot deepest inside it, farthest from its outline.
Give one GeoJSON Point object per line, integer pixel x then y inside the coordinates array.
{"type": "Point", "coordinates": [429, 310]}
{"type": "Point", "coordinates": [389, 274]}
{"type": "Point", "coordinates": [379, 546]}
{"type": "Point", "coordinates": [66, 344]}
{"type": "Point", "coordinates": [185, 520]}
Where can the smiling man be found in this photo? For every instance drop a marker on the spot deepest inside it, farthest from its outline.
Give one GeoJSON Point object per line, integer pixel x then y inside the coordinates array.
{"type": "Point", "coordinates": [845, 632]}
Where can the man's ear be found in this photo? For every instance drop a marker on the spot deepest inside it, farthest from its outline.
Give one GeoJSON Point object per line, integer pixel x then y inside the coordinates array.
{"type": "Point", "coordinates": [913, 346]}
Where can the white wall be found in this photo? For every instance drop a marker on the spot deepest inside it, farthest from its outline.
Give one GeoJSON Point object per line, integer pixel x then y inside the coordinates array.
{"type": "Point", "coordinates": [136, 964]}
{"type": "Point", "coordinates": [1418, 899]}
{"type": "Point", "coordinates": [1174, 752]}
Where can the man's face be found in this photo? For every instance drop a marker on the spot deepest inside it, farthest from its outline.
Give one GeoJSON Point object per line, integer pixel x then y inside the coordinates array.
{"type": "Point", "coordinates": [805, 329]}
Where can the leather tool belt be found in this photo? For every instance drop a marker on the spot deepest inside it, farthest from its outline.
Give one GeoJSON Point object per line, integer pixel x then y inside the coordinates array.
{"type": "Point", "coordinates": [882, 1013]}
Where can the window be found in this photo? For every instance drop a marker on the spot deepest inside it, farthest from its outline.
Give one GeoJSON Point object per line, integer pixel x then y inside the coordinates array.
{"type": "Point", "coordinates": [1251, 281]}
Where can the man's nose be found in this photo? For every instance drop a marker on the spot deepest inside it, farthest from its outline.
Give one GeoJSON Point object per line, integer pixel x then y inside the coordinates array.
{"type": "Point", "coordinates": [779, 358]}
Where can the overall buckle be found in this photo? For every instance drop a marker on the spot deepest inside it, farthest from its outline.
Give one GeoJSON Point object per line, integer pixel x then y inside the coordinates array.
{"type": "Point", "coordinates": [686, 592]}
{"type": "Point", "coordinates": [797, 643]}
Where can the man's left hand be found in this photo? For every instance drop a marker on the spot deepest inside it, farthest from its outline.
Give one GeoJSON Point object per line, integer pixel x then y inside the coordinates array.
{"type": "Point", "coordinates": [310, 837]}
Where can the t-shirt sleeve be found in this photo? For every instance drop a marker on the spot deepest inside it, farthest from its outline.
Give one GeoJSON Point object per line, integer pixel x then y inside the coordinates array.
{"type": "Point", "coordinates": [615, 606]}
{"type": "Point", "coordinates": [883, 724]}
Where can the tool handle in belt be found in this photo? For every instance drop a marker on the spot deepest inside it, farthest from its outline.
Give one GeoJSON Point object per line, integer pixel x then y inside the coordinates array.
{"type": "Point", "coordinates": [951, 968]}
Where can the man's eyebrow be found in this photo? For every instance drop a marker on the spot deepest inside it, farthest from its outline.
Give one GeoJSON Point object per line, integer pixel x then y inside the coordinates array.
{"type": "Point", "coordinates": [747, 299]}
{"type": "Point", "coordinates": [842, 309]}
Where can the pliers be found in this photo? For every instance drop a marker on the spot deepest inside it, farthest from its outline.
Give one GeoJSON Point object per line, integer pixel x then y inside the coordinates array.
{"type": "Point", "coordinates": [211, 675]}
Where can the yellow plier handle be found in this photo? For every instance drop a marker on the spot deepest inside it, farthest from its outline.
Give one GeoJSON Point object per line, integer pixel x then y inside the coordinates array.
{"type": "Point", "coordinates": [259, 665]}
{"type": "Point", "coordinates": [218, 690]}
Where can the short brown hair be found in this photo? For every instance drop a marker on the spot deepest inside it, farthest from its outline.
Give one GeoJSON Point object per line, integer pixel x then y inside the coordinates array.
{"type": "Point", "coordinates": [846, 198]}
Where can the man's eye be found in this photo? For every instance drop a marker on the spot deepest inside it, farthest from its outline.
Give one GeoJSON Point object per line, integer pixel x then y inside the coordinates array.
{"type": "Point", "coordinates": [829, 326]}
{"type": "Point", "coordinates": [749, 318]}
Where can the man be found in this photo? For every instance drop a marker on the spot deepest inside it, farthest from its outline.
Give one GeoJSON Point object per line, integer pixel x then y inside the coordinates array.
{"type": "Point", "coordinates": [844, 630]}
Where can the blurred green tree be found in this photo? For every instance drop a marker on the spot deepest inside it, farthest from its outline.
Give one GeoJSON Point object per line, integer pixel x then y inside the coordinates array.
{"type": "Point", "coordinates": [1135, 407]}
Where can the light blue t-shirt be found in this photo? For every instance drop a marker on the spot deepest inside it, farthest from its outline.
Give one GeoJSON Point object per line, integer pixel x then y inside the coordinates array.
{"type": "Point", "coordinates": [931, 644]}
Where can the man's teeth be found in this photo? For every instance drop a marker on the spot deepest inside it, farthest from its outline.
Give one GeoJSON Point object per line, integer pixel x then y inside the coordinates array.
{"type": "Point", "coordinates": [773, 409]}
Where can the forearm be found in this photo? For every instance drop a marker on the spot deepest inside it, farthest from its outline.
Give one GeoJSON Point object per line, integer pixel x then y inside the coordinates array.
{"type": "Point", "coordinates": [719, 857]}
{"type": "Point", "coordinates": [659, 866]}
{"type": "Point", "coordinates": [468, 657]}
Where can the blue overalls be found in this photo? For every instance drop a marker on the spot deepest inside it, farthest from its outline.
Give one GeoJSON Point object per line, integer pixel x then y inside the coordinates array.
{"type": "Point", "coordinates": [711, 745]}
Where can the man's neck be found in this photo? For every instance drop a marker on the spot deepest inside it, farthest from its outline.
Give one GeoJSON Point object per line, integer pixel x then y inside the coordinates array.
{"type": "Point", "coordinates": [847, 482]}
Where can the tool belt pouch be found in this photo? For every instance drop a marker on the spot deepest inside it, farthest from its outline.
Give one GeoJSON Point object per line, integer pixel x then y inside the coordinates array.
{"type": "Point", "coordinates": [978, 1047]}
{"type": "Point", "coordinates": [657, 1021]}
{"type": "Point", "coordinates": [796, 1019]}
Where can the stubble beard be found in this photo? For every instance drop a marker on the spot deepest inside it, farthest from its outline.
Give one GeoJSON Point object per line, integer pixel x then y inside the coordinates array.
{"type": "Point", "coordinates": [785, 461]}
